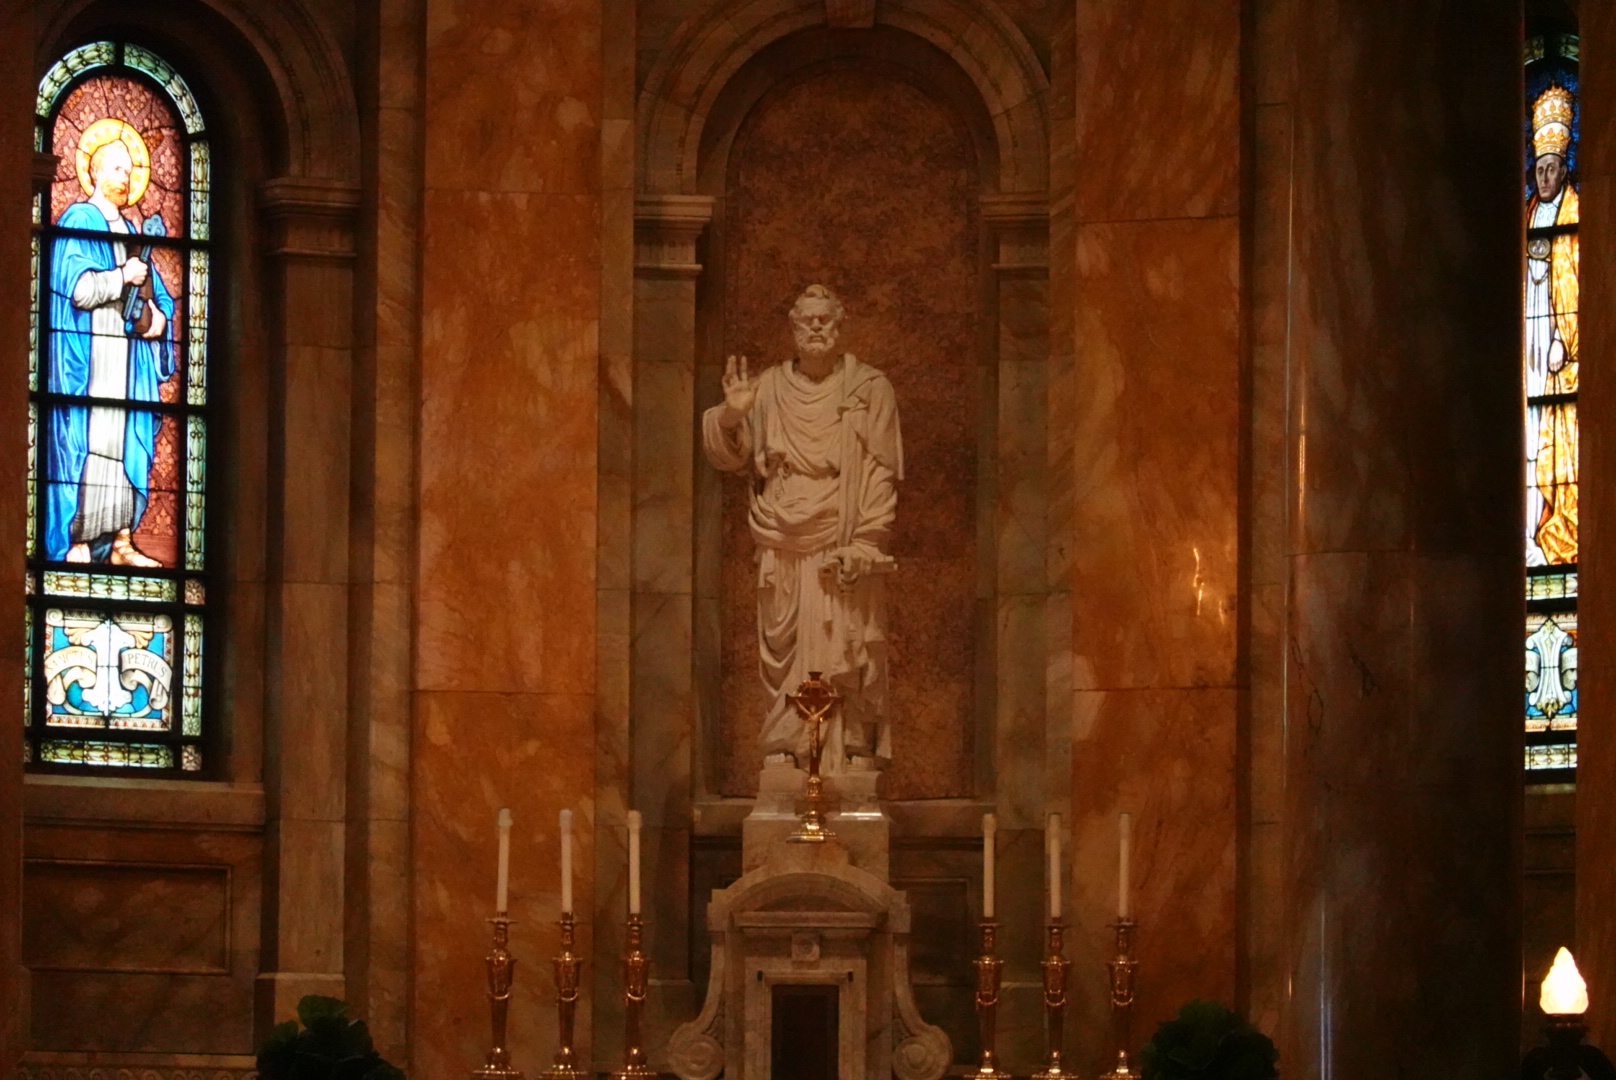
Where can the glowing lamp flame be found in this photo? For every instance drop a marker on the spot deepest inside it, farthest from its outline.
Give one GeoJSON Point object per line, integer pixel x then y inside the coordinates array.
{"type": "Point", "coordinates": [1564, 992]}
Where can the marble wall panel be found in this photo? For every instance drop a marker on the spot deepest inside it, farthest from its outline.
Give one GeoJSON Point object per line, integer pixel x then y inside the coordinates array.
{"type": "Point", "coordinates": [1155, 549]}
{"type": "Point", "coordinates": [508, 395]}
{"type": "Point", "coordinates": [866, 184]}
{"type": "Point", "coordinates": [145, 936]}
{"type": "Point", "coordinates": [522, 84]}
{"type": "Point", "coordinates": [1402, 796]}
{"type": "Point", "coordinates": [1158, 109]}
{"type": "Point", "coordinates": [476, 753]}
{"type": "Point", "coordinates": [116, 916]}
{"type": "Point", "coordinates": [1168, 757]}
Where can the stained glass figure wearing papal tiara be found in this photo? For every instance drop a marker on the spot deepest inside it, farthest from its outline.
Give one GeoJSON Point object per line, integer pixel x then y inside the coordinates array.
{"type": "Point", "coordinates": [1551, 336]}
{"type": "Point", "coordinates": [110, 315]}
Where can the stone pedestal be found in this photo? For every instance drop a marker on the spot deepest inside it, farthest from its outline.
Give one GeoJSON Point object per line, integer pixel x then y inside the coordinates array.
{"type": "Point", "coordinates": [853, 814]}
{"type": "Point", "coordinates": [811, 914]}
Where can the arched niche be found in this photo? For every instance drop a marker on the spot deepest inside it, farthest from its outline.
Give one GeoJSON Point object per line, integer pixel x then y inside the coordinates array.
{"type": "Point", "coordinates": [857, 159]}
{"type": "Point", "coordinates": [969, 63]}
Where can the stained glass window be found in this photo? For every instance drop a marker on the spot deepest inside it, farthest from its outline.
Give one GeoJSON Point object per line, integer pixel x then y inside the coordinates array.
{"type": "Point", "coordinates": [1550, 369]}
{"type": "Point", "coordinates": [117, 419]}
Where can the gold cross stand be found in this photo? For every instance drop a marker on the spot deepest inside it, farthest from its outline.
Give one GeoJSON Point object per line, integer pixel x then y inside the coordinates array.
{"type": "Point", "coordinates": [814, 700]}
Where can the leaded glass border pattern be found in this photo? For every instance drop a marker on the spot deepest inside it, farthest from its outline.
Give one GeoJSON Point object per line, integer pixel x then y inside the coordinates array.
{"type": "Point", "coordinates": [116, 618]}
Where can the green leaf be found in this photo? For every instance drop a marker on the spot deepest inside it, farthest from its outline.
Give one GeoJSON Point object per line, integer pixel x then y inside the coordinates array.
{"type": "Point", "coordinates": [1208, 1041]}
{"type": "Point", "coordinates": [314, 1009]}
{"type": "Point", "coordinates": [330, 1046]}
{"type": "Point", "coordinates": [278, 1052]}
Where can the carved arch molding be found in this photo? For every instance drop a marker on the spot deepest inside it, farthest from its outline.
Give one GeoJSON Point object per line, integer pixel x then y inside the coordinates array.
{"type": "Point", "coordinates": [312, 89]}
{"type": "Point", "coordinates": [692, 71]}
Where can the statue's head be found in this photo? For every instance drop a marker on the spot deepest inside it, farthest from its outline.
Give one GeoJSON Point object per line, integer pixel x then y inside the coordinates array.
{"type": "Point", "coordinates": [815, 319]}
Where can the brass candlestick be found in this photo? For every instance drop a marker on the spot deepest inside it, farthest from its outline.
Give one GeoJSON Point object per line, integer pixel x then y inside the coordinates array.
{"type": "Point", "coordinates": [635, 969]}
{"type": "Point", "coordinates": [1055, 968]}
{"type": "Point", "coordinates": [567, 967]}
{"type": "Point", "coordinates": [1122, 969]}
{"type": "Point", "coordinates": [988, 970]}
{"type": "Point", "coordinates": [1566, 1057]}
{"type": "Point", "coordinates": [814, 700]}
{"type": "Point", "coordinates": [501, 967]}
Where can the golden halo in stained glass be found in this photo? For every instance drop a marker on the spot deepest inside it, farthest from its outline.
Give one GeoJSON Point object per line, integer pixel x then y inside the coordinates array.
{"type": "Point", "coordinates": [111, 130]}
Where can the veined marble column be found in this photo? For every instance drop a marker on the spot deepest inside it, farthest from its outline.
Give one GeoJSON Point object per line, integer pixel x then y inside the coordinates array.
{"type": "Point", "coordinates": [1403, 733]}
{"type": "Point", "coordinates": [1596, 739]}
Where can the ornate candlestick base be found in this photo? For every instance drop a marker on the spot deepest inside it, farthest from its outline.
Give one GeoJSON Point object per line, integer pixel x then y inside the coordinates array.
{"type": "Point", "coordinates": [814, 700]}
{"type": "Point", "coordinates": [501, 967]}
{"type": "Point", "coordinates": [1566, 1055]}
{"type": "Point", "coordinates": [567, 967]}
{"type": "Point", "coordinates": [1055, 968]}
{"type": "Point", "coordinates": [635, 970]}
{"type": "Point", "coordinates": [1122, 969]}
{"type": "Point", "coordinates": [988, 970]}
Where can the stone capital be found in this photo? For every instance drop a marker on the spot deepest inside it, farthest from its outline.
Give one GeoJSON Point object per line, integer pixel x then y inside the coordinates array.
{"type": "Point", "coordinates": [666, 229]}
{"type": "Point", "coordinates": [310, 218]}
{"type": "Point", "coordinates": [1020, 224]}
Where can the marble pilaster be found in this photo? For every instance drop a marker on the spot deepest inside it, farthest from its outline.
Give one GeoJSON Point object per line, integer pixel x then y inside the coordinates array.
{"type": "Point", "coordinates": [661, 684]}
{"type": "Point", "coordinates": [310, 231]}
{"type": "Point", "coordinates": [504, 689]}
{"type": "Point", "coordinates": [386, 400]}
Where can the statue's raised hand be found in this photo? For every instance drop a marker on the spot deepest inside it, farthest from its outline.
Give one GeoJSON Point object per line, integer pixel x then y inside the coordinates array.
{"type": "Point", "coordinates": [740, 392]}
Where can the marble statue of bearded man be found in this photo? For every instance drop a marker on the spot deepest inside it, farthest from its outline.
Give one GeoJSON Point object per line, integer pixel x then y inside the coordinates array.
{"type": "Point", "coordinates": [821, 433]}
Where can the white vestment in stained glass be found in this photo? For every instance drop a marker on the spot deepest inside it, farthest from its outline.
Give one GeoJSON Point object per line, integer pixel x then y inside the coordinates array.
{"type": "Point", "coordinates": [1550, 368]}
{"type": "Point", "coordinates": [106, 497]}
{"type": "Point", "coordinates": [829, 454]}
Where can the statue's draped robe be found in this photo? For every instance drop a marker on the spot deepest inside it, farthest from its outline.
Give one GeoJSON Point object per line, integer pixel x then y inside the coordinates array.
{"type": "Point", "coordinates": [827, 456]}
{"type": "Point", "coordinates": [98, 458]}
{"type": "Point", "coordinates": [1551, 429]}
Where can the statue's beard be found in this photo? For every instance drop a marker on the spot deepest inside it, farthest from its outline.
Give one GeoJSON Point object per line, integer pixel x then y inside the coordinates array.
{"type": "Point", "coordinates": [815, 350]}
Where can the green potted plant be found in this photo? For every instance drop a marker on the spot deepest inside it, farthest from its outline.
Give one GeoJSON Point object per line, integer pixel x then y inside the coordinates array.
{"type": "Point", "coordinates": [1208, 1041]}
{"type": "Point", "coordinates": [329, 1046]}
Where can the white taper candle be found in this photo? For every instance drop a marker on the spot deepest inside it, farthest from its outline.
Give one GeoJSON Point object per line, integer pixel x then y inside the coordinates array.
{"type": "Point", "coordinates": [990, 826]}
{"type": "Point", "coordinates": [1124, 842]}
{"type": "Point", "coordinates": [633, 862]}
{"type": "Point", "coordinates": [566, 860]}
{"type": "Point", "coordinates": [503, 888]}
{"type": "Point", "coordinates": [1052, 842]}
